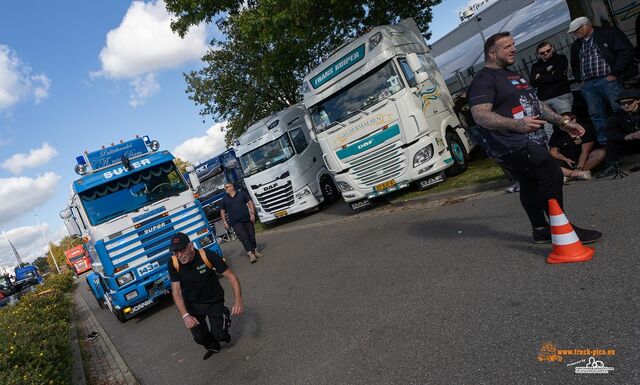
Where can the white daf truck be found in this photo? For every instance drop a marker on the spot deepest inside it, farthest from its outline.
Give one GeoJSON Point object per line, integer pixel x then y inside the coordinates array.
{"type": "Point", "coordinates": [383, 115]}
{"type": "Point", "coordinates": [283, 168]}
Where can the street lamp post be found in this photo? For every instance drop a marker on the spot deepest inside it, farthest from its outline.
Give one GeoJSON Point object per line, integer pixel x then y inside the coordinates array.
{"type": "Point", "coordinates": [47, 242]}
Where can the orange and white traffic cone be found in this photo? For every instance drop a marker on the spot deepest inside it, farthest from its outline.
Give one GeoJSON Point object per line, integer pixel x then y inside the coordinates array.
{"type": "Point", "coordinates": [566, 244]}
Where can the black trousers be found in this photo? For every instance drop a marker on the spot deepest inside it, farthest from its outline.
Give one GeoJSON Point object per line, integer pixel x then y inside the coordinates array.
{"type": "Point", "coordinates": [210, 335]}
{"type": "Point", "coordinates": [540, 179]}
{"type": "Point", "coordinates": [247, 235]}
{"type": "Point", "coordinates": [618, 148]}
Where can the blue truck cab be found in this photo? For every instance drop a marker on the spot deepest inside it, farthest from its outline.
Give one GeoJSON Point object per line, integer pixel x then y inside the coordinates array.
{"type": "Point", "coordinates": [129, 200]}
{"type": "Point", "coordinates": [29, 273]}
{"type": "Point", "coordinates": [212, 175]}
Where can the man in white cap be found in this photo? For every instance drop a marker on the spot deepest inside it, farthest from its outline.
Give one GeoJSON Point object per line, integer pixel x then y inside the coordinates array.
{"type": "Point", "coordinates": [600, 59]}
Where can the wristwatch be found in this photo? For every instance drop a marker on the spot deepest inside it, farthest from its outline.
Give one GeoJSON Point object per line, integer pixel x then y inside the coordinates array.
{"type": "Point", "coordinates": [564, 123]}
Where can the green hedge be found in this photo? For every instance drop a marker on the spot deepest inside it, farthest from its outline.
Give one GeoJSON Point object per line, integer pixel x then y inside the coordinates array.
{"type": "Point", "coordinates": [34, 336]}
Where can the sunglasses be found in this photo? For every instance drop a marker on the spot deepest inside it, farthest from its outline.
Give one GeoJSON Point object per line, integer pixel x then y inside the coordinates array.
{"type": "Point", "coordinates": [544, 52]}
{"type": "Point", "coordinates": [626, 102]}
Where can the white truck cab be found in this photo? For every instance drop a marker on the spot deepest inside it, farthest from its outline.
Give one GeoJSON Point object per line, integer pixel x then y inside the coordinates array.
{"type": "Point", "coordinates": [282, 164]}
{"type": "Point", "coordinates": [383, 115]}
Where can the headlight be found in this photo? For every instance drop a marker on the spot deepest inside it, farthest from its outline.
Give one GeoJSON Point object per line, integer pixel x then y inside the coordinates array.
{"type": "Point", "coordinates": [124, 279]}
{"type": "Point", "coordinates": [344, 186]}
{"type": "Point", "coordinates": [205, 241]}
{"type": "Point", "coordinates": [423, 155]}
{"type": "Point", "coordinates": [303, 193]}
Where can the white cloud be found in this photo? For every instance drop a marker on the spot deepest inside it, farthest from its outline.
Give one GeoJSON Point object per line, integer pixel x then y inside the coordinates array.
{"type": "Point", "coordinates": [19, 195]}
{"type": "Point", "coordinates": [145, 43]}
{"type": "Point", "coordinates": [35, 158]}
{"type": "Point", "coordinates": [201, 148]}
{"type": "Point", "coordinates": [17, 81]}
{"type": "Point", "coordinates": [41, 85]}
{"type": "Point", "coordinates": [29, 242]}
{"type": "Point", "coordinates": [143, 87]}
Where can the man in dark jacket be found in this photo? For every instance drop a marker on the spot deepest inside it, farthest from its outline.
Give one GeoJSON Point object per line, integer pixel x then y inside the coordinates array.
{"type": "Point", "coordinates": [600, 58]}
{"type": "Point", "coordinates": [549, 77]}
{"type": "Point", "coordinates": [623, 132]}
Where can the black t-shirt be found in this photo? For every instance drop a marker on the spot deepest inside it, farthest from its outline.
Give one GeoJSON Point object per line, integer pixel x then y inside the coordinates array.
{"type": "Point", "coordinates": [199, 284]}
{"type": "Point", "coordinates": [568, 146]}
{"type": "Point", "coordinates": [236, 207]}
{"type": "Point", "coordinates": [511, 97]}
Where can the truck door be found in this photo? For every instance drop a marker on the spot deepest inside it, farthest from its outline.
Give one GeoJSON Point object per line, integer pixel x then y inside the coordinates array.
{"type": "Point", "coordinates": [432, 99]}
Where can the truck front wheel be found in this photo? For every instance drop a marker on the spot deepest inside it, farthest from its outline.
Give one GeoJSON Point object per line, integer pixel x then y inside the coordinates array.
{"type": "Point", "coordinates": [329, 189]}
{"type": "Point", "coordinates": [459, 154]}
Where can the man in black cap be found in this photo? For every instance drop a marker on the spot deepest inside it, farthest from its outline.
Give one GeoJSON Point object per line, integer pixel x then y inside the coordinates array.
{"type": "Point", "coordinates": [623, 132]}
{"type": "Point", "coordinates": [198, 294]}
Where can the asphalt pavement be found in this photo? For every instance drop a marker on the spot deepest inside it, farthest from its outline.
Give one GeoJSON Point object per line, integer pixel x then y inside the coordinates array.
{"type": "Point", "coordinates": [447, 291]}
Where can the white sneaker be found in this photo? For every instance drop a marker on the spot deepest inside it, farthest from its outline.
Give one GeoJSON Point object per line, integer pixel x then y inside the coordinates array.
{"type": "Point", "coordinates": [584, 175]}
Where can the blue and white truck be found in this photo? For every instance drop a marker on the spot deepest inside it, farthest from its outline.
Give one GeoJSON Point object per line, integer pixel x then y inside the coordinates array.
{"type": "Point", "coordinates": [129, 200]}
{"type": "Point", "coordinates": [212, 175]}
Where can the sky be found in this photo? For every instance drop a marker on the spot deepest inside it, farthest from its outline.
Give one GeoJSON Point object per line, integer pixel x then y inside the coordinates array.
{"type": "Point", "coordinates": [76, 75]}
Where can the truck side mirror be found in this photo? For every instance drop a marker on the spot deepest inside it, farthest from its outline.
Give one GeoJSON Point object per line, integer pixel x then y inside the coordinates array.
{"type": "Point", "coordinates": [195, 182]}
{"type": "Point", "coordinates": [72, 227]}
{"type": "Point", "coordinates": [416, 67]}
{"type": "Point", "coordinates": [65, 214]}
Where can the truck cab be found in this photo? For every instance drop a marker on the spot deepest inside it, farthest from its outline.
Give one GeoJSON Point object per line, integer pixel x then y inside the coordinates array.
{"type": "Point", "coordinates": [78, 260]}
{"type": "Point", "coordinates": [211, 176]}
{"type": "Point", "coordinates": [383, 115]}
{"type": "Point", "coordinates": [129, 200]}
{"type": "Point", "coordinates": [283, 167]}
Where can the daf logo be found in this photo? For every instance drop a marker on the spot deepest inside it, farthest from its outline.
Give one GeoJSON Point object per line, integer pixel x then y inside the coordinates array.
{"type": "Point", "coordinates": [268, 188]}
{"type": "Point", "coordinates": [154, 228]}
{"type": "Point", "coordinates": [365, 144]}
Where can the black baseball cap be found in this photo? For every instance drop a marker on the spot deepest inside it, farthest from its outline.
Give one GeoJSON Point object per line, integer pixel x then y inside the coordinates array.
{"type": "Point", "coordinates": [629, 94]}
{"type": "Point", "coordinates": [179, 241]}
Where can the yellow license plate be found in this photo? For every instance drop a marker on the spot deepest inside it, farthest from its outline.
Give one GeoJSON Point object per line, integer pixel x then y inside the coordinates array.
{"type": "Point", "coordinates": [280, 214]}
{"type": "Point", "coordinates": [385, 185]}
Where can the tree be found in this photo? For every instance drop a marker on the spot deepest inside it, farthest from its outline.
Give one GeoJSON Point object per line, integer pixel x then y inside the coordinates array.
{"type": "Point", "coordinates": [270, 45]}
{"type": "Point", "coordinates": [42, 264]}
{"type": "Point", "coordinates": [182, 164]}
{"type": "Point", "coordinates": [66, 243]}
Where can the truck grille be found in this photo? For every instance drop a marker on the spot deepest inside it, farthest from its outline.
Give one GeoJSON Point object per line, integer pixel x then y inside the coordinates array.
{"type": "Point", "coordinates": [280, 198]}
{"type": "Point", "coordinates": [151, 239]}
{"type": "Point", "coordinates": [380, 165]}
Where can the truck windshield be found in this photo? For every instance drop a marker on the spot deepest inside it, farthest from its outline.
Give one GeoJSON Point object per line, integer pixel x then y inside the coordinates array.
{"type": "Point", "coordinates": [75, 260]}
{"type": "Point", "coordinates": [132, 192]}
{"type": "Point", "coordinates": [267, 155]}
{"type": "Point", "coordinates": [377, 85]}
{"type": "Point", "coordinates": [212, 185]}
{"type": "Point", "coordinates": [5, 284]}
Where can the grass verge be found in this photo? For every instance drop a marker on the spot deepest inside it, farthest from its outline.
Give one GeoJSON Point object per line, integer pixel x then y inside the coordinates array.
{"type": "Point", "coordinates": [34, 336]}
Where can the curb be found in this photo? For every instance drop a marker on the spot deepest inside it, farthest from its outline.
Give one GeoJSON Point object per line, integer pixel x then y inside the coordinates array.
{"type": "Point", "coordinates": [109, 366]}
{"type": "Point", "coordinates": [77, 368]}
{"type": "Point", "coordinates": [475, 188]}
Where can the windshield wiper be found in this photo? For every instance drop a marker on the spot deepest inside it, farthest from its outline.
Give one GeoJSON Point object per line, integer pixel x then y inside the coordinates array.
{"type": "Point", "coordinates": [358, 110]}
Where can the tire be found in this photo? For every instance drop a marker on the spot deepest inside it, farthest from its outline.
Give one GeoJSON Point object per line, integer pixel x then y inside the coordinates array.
{"type": "Point", "coordinates": [329, 189]}
{"type": "Point", "coordinates": [100, 303]}
{"type": "Point", "coordinates": [458, 153]}
{"type": "Point", "coordinates": [120, 316]}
